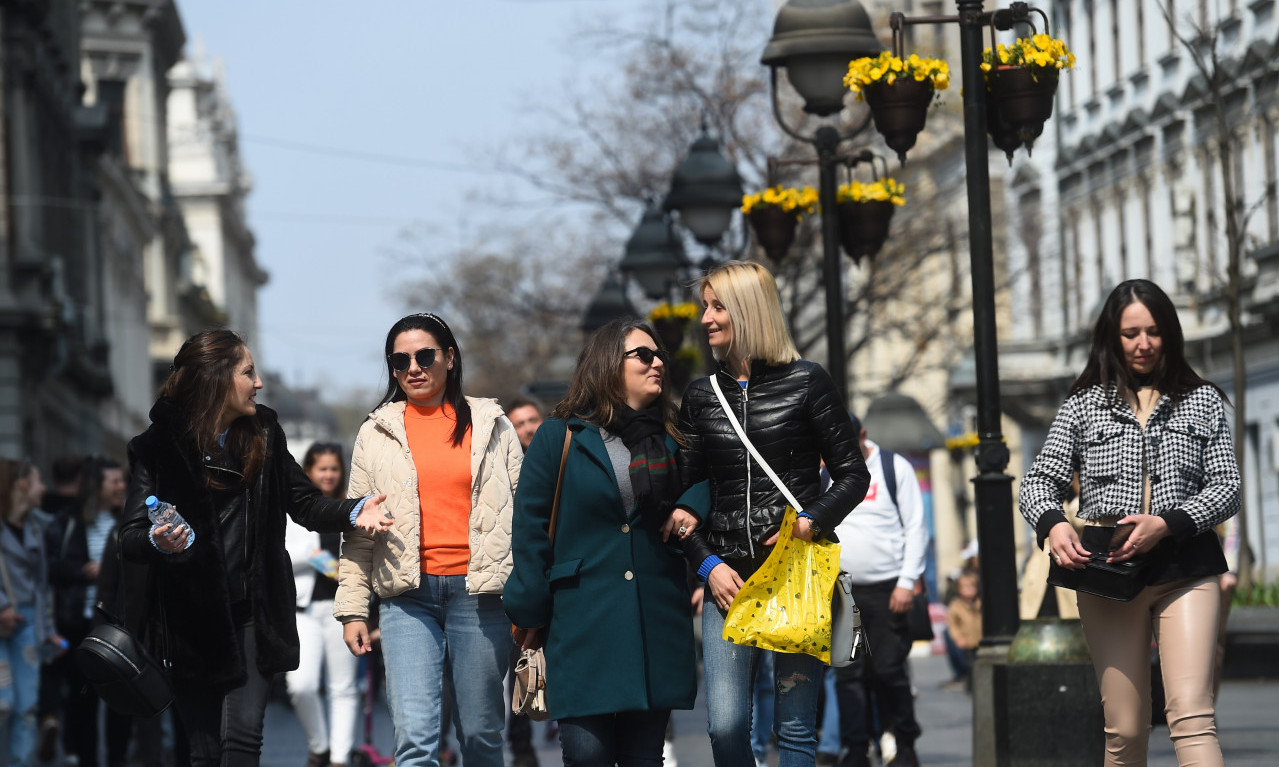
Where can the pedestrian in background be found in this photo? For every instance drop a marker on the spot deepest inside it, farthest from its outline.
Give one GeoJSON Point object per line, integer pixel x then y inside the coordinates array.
{"type": "Point", "coordinates": [790, 410]}
{"type": "Point", "coordinates": [526, 417]}
{"type": "Point", "coordinates": [321, 647]}
{"type": "Point", "coordinates": [610, 597]}
{"type": "Point", "coordinates": [62, 503]}
{"type": "Point", "coordinates": [24, 613]}
{"type": "Point", "coordinates": [222, 612]}
{"type": "Point", "coordinates": [883, 545]}
{"type": "Point", "coordinates": [1152, 446]}
{"type": "Point", "coordinates": [79, 542]}
{"type": "Point", "coordinates": [449, 465]}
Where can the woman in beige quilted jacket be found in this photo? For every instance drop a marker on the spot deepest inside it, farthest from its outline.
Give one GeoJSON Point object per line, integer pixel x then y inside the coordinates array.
{"type": "Point", "coordinates": [449, 465]}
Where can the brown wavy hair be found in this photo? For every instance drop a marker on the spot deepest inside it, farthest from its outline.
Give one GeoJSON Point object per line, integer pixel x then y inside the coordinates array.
{"type": "Point", "coordinates": [202, 380]}
{"type": "Point", "coordinates": [598, 388]}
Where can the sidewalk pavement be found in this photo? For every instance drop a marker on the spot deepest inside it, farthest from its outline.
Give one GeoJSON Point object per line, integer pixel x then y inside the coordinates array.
{"type": "Point", "coordinates": [1246, 725]}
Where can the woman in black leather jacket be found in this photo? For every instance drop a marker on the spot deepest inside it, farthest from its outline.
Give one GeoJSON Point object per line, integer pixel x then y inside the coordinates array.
{"type": "Point", "coordinates": [790, 410]}
{"type": "Point", "coordinates": [222, 609]}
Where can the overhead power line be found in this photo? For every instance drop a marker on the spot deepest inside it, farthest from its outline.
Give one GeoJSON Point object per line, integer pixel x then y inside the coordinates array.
{"type": "Point", "coordinates": [356, 154]}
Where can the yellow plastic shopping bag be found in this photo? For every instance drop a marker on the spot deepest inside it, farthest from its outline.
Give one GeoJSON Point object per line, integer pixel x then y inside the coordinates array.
{"type": "Point", "coordinates": [786, 604]}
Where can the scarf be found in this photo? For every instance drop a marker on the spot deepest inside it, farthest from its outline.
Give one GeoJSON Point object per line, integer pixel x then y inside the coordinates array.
{"type": "Point", "coordinates": [652, 467]}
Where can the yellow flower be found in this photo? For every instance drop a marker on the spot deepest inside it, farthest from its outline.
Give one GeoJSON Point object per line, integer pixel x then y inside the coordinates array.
{"type": "Point", "coordinates": [887, 68]}
{"type": "Point", "coordinates": [884, 189]}
{"type": "Point", "coordinates": [1036, 53]}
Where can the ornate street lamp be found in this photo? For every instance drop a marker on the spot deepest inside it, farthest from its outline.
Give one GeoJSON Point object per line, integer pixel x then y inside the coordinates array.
{"type": "Point", "coordinates": [654, 255]}
{"type": "Point", "coordinates": [705, 190]}
{"type": "Point", "coordinates": [609, 304]}
{"type": "Point", "coordinates": [813, 40]}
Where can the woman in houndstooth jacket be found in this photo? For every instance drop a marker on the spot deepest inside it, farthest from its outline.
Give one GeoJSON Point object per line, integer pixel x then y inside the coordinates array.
{"type": "Point", "coordinates": [1150, 441]}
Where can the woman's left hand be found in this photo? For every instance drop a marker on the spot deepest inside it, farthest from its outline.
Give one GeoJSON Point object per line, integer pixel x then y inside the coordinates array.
{"type": "Point", "coordinates": [373, 518]}
{"type": "Point", "coordinates": [1148, 530]}
{"type": "Point", "coordinates": [681, 522]}
{"type": "Point", "coordinates": [803, 529]}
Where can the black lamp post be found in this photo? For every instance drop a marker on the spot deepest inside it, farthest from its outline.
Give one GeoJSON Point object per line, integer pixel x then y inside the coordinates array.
{"type": "Point", "coordinates": [609, 304]}
{"type": "Point", "coordinates": [705, 191]}
{"type": "Point", "coordinates": [813, 40]}
{"type": "Point", "coordinates": [654, 255]}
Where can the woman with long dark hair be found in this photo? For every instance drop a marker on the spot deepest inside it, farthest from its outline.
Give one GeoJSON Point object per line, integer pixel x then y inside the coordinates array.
{"type": "Point", "coordinates": [791, 411]}
{"type": "Point", "coordinates": [323, 650]}
{"type": "Point", "coordinates": [449, 465]}
{"type": "Point", "coordinates": [1149, 439]}
{"type": "Point", "coordinates": [610, 597]}
{"type": "Point", "coordinates": [222, 607]}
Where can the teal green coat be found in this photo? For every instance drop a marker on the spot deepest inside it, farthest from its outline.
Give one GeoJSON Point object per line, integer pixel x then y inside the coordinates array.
{"type": "Point", "coordinates": [615, 597]}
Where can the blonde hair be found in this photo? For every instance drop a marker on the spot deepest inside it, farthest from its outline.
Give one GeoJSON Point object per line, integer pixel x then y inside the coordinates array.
{"type": "Point", "coordinates": [749, 294]}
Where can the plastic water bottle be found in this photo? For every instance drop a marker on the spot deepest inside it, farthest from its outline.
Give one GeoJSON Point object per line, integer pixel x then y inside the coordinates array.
{"type": "Point", "coordinates": [163, 513]}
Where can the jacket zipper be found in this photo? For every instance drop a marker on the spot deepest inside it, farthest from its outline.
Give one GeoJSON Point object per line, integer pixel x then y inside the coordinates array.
{"type": "Point", "coordinates": [244, 575]}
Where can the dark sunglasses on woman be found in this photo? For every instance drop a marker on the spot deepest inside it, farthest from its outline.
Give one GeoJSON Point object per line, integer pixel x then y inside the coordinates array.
{"type": "Point", "coordinates": [425, 358]}
{"type": "Point", "coordinates": [646, 355]}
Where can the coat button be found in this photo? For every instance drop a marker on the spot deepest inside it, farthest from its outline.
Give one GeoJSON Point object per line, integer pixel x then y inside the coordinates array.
{"type": "Point", "coordinates": [630, 576]}
{"type": "Point", "coordinates": [626, 528]}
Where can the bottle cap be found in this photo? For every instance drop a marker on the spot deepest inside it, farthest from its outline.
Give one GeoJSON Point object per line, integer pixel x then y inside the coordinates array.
{"type": "Point", "coordinates": [152, 501]}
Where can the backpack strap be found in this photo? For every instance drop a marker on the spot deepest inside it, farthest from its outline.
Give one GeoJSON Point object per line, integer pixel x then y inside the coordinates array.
{"type": "Point", "coordinates": [886, 461]}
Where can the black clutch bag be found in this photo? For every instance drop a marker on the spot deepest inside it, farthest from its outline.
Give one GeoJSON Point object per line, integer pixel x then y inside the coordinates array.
{"type": "Point", "coordinates": [1113, 580]}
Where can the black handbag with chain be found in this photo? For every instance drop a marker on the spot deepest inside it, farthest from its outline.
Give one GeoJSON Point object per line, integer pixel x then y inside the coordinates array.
{"type": "Point", "coordinates": [1113, 580]}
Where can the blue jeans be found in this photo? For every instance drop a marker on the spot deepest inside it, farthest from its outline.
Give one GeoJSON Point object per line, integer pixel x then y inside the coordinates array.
{"type": "Point", "coordinates": [626, 739]}
{"type": "Point", "coordinates": [420, 629]}
{"type": "Point", "coordinates": [762, 713]}
{"type": "Point", "coordinates": [19, 688]}
{"type": "Point", "coordinates": [829, 743]}
{"type": "Point", "coordinates": [729, 674]}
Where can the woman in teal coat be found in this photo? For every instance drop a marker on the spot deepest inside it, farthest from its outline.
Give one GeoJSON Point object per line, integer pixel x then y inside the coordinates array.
{"type": "Point", "coordinates": [611, 598]}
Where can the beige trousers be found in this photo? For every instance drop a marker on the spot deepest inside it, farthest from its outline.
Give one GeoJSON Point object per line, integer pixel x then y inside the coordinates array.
{"type": "Point", "coordinates": [1183, 619]}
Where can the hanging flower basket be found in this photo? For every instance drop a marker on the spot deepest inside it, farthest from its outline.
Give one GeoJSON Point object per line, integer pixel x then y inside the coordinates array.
{"type": "Point", "coordinates": [1022, 101]}
{"type": "Point", "coordinates": [900, 111]}
{"type": "Point", "coordinates": [1021, 81]}
{"type": "Point", "coordinates": [863, 227]}
{"type": "Point", "coordinates": [865, 211]}
{"type": "Point", "coordinates": [774, 213]}
{"type": "Point", "coordinates": [671, 330]}
{"type": "Point", "coordinates": [774, 230]}
{"type": "Point", "coordinates": [898, 92]}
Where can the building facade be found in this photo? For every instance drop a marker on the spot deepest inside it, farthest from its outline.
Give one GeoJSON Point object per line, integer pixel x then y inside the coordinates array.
{"type": "Point", "coordinates": [101, 278]}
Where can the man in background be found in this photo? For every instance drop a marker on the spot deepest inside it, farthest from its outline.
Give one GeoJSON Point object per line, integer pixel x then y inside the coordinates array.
{"type": "Point", "coordinates": [883, 543]}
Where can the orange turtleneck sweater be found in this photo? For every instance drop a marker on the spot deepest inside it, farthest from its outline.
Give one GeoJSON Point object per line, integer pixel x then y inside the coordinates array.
{"type": "Point", "coordinates": [443, 488]}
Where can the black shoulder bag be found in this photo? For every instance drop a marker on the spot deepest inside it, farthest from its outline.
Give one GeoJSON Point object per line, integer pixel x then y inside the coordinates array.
{"type": "Point", "coordinates": [119, 667]}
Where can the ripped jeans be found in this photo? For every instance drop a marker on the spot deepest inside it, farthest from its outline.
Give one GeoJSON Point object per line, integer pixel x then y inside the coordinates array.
{"type": "Point", "coordinates": [730, 671]}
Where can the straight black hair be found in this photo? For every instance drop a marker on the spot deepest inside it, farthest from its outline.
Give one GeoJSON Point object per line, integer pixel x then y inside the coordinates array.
{"type": "Point", "coordinates": [453, 395]}
{"type": "Point", "coordinates": [1106, 367]}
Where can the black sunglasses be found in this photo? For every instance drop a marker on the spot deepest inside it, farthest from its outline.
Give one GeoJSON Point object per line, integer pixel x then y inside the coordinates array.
{"type": "Point", "coordinates": [646, 355]}
{"type": "Point", "coordinates": [425, 358]}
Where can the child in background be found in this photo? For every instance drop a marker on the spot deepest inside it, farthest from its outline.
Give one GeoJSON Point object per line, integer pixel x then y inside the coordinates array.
{"type": "Point", "coordinates": [963, 622]}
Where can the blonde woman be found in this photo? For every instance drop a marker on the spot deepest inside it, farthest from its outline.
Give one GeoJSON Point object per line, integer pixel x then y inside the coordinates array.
{"type": "Point", "coordinates": [791, 412]}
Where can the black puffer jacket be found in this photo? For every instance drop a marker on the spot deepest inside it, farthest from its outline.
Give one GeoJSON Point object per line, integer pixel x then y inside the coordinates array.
{"type": "Point", "coordinates": [793, 415]}
{"type": "Point", "coordinates": [194, 627]}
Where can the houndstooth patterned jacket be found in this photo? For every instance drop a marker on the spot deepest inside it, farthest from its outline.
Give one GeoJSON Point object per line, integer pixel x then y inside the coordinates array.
{"type": "Point", "coordinates": [1187, 450]}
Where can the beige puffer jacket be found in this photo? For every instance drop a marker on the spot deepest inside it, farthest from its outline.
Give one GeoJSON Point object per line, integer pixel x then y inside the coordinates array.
{"type": "Point", "coordinates": [388, 563]}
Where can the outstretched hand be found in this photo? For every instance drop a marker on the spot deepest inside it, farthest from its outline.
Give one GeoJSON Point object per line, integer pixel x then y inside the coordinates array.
{"type": "Point", "coordinates": [373, 518]}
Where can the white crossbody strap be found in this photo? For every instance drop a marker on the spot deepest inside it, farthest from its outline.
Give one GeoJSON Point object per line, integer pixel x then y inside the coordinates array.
{"type": "Point", "coordinates": [728, 411]}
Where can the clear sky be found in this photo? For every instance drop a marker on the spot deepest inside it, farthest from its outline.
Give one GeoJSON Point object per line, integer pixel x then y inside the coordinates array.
{"type": "Point", "coordinates": [317, 82]}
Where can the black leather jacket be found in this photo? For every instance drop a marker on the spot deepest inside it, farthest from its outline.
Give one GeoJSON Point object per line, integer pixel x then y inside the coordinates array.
{"type": "Point", "coordinates": [204, 594]}
{"type": "Point", "coordinates": [794, 416]}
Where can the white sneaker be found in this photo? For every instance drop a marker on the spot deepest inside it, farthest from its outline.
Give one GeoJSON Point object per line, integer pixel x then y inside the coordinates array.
{"type": "Point", "coordinates": [668, 754]}
{"type": "Point", "coordinates": [888, 747]}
